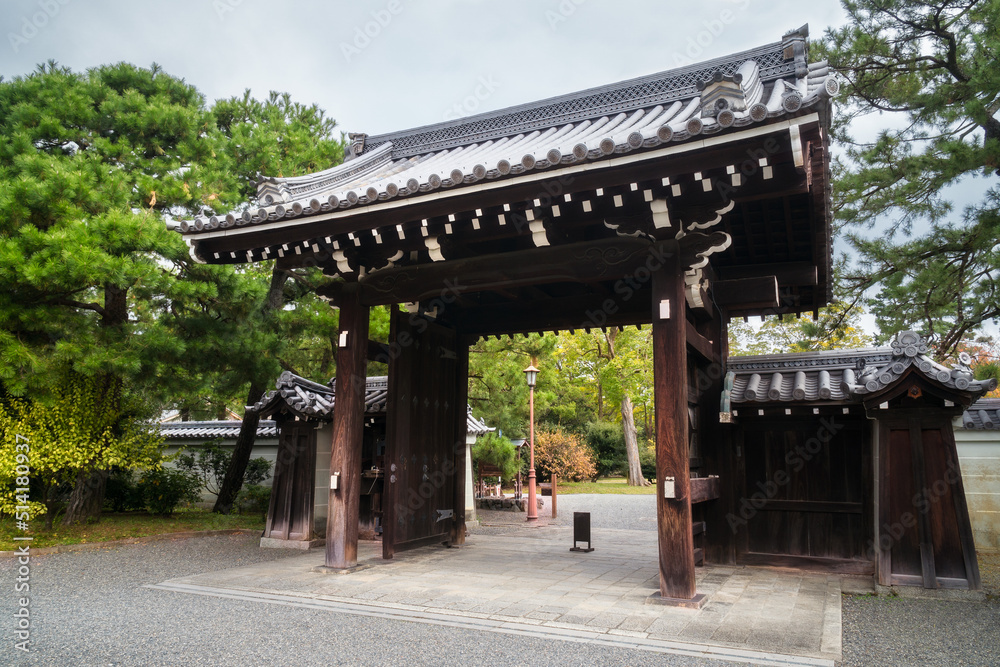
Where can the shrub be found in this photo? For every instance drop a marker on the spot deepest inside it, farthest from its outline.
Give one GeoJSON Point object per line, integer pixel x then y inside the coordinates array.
{"type": "Point", "coordinates": [164, 489]}
{"type": "Point", "coordinates": [564, 454]}
{"type": "Point", "coordinates": [122, 493]}
{"type": "Point", "coordinates": [607, 441]}
{"type": "Point", "coordinates": [496, 450]}
{"type": "Point", "coordinates": [212, 461]}
{"type": "Point", "coordinates": [258, 470]}
{"type": "Point", "coordinates": [253, 499]}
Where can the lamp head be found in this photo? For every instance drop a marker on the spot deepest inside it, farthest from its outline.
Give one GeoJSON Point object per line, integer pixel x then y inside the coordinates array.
{"type": "Point", "coordinates": [531, 373]}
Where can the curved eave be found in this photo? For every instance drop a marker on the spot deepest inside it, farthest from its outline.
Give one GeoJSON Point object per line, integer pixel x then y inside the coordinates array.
{"type": "Point", "coordinates": [286, 216]}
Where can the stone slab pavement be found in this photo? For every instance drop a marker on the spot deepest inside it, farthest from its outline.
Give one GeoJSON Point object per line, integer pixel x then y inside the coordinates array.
{"type": "Point", "coordinates": [528, 582]}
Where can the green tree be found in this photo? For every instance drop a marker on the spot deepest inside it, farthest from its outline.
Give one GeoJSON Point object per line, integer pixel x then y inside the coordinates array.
{"type": "Point", "coordinates": [90, 164]}
{"type": "Point", "coordinates": [285, 326]}
{"type": "Point", "coordinates": [837, 327]}
{"type": "Point", "coordinates": [622, 369]}
{"type": "Point", "coordinates": [497, 451]}
{"type": "Point", "coordinates": [498, 389]}
{"type": "Point", "coordinates": [928, 71]}
{"type": "Point", "coordinates": [46, 447]}
{"type": "Point", "coordinates": [607, 442]}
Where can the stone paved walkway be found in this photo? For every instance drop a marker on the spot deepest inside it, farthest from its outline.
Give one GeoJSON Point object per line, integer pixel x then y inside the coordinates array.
{"type": "Point", "coordinates": [530, 582]}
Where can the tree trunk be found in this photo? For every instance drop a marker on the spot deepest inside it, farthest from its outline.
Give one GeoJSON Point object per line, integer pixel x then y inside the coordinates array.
{"type": "Point", "coordinates": [87, 498]}
{"type": "Point", "coordinates": [635, 477]}
{"type": "Point", "coordinates": [233, 481]}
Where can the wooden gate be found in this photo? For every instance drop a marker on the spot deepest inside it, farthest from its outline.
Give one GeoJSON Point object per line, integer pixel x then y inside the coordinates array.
{"type": "Point", "coordinates": [293, 490]}
{"type": "Point", "coordinates": [925, 538]}
{"type": "Point", "coordinates": [425, 448]}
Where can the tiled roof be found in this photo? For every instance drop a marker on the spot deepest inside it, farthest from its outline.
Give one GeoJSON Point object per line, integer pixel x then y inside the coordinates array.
{"type": "Point", "coordinates": [842, 376]}
{"type": "Point", "coordinates": [313, 401]}
{"type": "Point", "coordinates": [754, 87]}
{"type": "Point", "coordinates": [210, 430]}
{"type": "Point", "coordinates": [475, 426]}
{"type": "Point", "coordinates": [984, 414]}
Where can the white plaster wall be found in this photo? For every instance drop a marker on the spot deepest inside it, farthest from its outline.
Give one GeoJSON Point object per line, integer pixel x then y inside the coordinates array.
{"type": "Point", "coordinates": [470, 499]}
{"type": "Point", "coordinates": [979, 458]}
{"type": "Point", "coordinates": [321, 504]}
{"type": "Point", "coordinates": [263, 447]}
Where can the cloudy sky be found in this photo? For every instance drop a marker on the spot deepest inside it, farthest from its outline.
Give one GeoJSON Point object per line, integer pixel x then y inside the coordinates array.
{"type": "Point", "coordinates": [383, 65]}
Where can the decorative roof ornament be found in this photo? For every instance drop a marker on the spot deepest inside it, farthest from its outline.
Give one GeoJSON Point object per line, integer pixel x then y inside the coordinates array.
{"type": "Point", "coordinates": [910, 349]}
{"type": "Point", "coordinates": [793, 45]}
{"type": "Point", "coordinates": [357, 145]}
{"type": "Point", "coordinates": [909, 344]}
{"type": "Point", "coordinates": [723, 94]}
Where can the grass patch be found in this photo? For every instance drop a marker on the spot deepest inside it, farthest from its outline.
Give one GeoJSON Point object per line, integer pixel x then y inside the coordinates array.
{"type": "Point", "coordinates": [120, 526]}
{"type": "Point", "coordinates": [609, 485]}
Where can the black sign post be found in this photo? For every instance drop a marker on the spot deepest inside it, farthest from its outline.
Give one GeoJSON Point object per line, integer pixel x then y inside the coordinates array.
{"type": "Point", "coordinates": [581, 531]}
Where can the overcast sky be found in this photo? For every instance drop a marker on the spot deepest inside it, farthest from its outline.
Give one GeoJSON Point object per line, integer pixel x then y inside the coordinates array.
{"type": "Point", "coordinates": [383, 65]}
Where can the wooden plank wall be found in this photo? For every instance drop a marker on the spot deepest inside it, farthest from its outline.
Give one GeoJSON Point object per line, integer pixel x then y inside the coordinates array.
{"type": "Point", "coordinates": [808, 497]}
{"type": "Point", "coordinates": [293, 488]}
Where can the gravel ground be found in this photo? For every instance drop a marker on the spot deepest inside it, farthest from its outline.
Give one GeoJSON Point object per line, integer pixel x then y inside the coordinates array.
{"type": "Point", "coordinates": [89, 608]}
{"type": "Point", "coordinates": [901, 632]}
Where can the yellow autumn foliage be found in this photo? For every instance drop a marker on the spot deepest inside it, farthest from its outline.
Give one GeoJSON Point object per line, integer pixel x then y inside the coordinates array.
{"type": "Point", "coordinates": [81, 430]}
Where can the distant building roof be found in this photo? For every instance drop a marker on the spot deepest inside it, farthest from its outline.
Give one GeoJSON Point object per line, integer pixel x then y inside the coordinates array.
{"type": "Point", "coordinates": [841, 376]}
{"type": "Point", "coordinates": [305, 399]}
{"type": "Point", "coordinates": [476, 426]}
{"type": "Point", "coordinates": [983, 415]}
{"type": "Point", "coordinates": [210, 430]}
{"type": "Point", "coordinates": [295, 396]}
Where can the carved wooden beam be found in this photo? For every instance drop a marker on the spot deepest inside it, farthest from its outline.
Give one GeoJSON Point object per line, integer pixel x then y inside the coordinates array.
{"type": "Point", "coordinates": [603, 260]}
{"type": "Point", "coordinates": [700, 344]}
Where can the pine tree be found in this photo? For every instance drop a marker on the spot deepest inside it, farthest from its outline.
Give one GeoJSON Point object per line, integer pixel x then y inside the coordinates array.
{"type": "Point", "coordinates": [927, 73]}
{"type": "Point", "coordinates": [89, 165]}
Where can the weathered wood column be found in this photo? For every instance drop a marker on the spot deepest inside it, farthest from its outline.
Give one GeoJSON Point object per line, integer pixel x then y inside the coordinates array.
{"type": "Point", "coordinates": [670, 384]}
{"type": "Point", "coordinates": [348, 424]}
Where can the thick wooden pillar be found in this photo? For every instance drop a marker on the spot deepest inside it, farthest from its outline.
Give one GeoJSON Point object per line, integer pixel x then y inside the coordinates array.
{"type": "Point", "coordinates": [457, 537]}
{"type": "Point", "coordinates": [348, 424]}
{"type": "Point", "coordinates": [670, 382]}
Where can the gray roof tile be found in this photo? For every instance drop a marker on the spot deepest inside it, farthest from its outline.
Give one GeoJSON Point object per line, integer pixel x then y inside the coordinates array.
{"type": "Point", "coordinates": [750, 88]}
{"type": "Point", "coordinates": [983, 415]}
{"type": "Point", "coordinates": [210, 430]}
{"type": "Point", "coordinates": [841, 376]}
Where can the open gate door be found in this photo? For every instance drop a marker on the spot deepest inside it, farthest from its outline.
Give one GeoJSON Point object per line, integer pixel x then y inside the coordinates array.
{"type": "Point", "coordinates": [425, 436]}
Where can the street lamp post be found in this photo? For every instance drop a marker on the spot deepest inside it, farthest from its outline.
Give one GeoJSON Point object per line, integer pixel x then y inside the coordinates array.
{"type": "Point", "coordinates": [532, 373]}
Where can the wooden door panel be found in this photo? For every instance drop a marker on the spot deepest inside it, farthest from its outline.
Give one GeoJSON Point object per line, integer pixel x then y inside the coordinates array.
{"type": "Point", "coordinates": [807, 494]}
{"type": "Point", "coordinates": [421, 435]}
